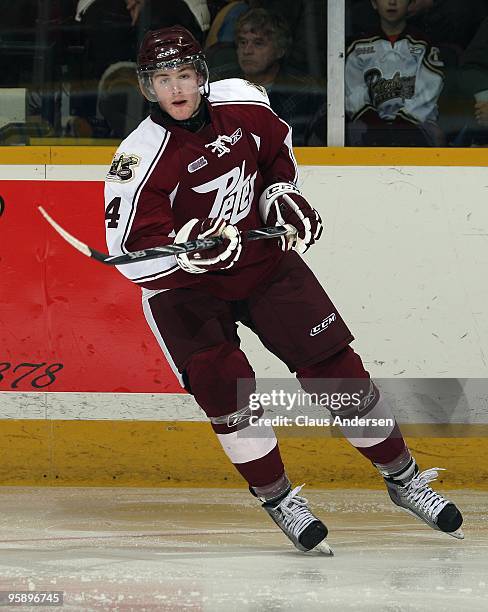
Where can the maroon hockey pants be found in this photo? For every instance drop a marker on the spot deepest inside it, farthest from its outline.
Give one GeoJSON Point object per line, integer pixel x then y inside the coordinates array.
{"type": "Point", "coordinates": [294, 318]}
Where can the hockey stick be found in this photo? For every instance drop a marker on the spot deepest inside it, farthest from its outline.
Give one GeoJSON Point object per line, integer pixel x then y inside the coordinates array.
{"type": "Point", "coordinates": [162, 251]}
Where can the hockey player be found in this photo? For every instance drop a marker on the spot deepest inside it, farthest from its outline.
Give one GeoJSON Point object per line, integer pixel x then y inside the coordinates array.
{"type": "Point", "coordinates": [216, 161]}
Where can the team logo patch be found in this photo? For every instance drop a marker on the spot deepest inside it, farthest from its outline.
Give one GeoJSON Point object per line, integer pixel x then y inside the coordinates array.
{"type": "Point", "coordinates": [122, 168]}
{"type": "Point", "coordinates": [260, 88]}
{"type": "Point", "coordinates": [220, 147]}
{"type": "Point", "coordinates": [201, 162]}
{"type": "Point", "coordinates": [323, 325]}
{"type": "Point", "coordinates": [382, 90]}
{"type": "Point", "coordinates": [435, 57]}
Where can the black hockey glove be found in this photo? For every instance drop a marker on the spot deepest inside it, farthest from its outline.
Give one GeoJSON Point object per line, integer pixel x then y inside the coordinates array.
{"type": "Point", "coordinates": [221, 257]}
{"type": "Point", "coordinates": [283, 204]}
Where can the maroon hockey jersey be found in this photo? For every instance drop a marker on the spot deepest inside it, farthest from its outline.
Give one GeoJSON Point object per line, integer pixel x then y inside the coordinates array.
{"type": "Point", "coordinates": [162, 177]}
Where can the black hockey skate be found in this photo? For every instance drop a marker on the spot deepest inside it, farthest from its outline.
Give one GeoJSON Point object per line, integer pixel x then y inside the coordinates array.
{"type": "Point", "coordinates": [416, 497]}
{"type": "Point", "coordinates": [293, 516]}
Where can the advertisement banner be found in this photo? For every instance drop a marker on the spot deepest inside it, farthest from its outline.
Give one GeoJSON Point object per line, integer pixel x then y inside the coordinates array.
{"type": "Point", "coordinates": [68, 323]}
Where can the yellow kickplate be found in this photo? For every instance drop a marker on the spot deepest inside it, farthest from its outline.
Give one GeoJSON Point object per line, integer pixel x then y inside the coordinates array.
{"type": "Point", "coordinates": [100, 152]}
{"type": "Point", "coordinates": [148, 453]}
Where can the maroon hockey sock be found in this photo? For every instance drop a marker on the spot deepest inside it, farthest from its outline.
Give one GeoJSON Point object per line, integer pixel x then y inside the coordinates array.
{"type": "Point", "coordinates": [263, 471]}
{"type": "Point", "coordinates": [347, 365]}
{"type": "Point", "coordinates": [391, 451]}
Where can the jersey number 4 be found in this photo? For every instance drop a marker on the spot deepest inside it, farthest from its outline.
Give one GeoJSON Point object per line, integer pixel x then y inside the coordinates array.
{"type": "Point", "coordinates": [112, 213]}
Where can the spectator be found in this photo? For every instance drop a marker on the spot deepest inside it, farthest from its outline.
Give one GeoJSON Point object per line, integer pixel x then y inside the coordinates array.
{"type": "Point", "coordinates": [393, 82]}
{"type": "Point", "coordinates": [151, 14]}
{"type": "Point", "coordinates": [316, 135]}
{"type": "Point", "coordinates": [17, 27]}
{"type": "Point", "coordinates": [214, 6]}
{"type": "Point", "coordinates": [222, 28]}
{"type": "Point", "coordinates": [451, 25]}
{"type": "Point", "coordinates": [29, 64]}
{"type": "Point", "coordinates": [107, 102]}
{"type": "Point", "coordinates": [481, 110]}
{"type": "Point", "coordinates": [307, 20]}
{"type": "Point", "coordinates": [263, 40]}
{"type": "Point", "coordinates": [448, 22]}
{"type": "Point", "coordinates": [473, 86]}
{"type": "Point", "coordinates": [474, 63]}
{"type": "Point", "coordinates": [94, 24]}
{"type": "Point", "coordinates": [219, 46]}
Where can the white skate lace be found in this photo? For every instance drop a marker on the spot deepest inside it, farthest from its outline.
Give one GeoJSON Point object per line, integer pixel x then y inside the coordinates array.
{"type": "Point", "coordinates": [296, 515]}
{"type": "Point", "coordinates": [422, 496]}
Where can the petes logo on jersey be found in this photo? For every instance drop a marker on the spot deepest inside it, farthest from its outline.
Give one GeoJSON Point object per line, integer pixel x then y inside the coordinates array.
{"type": "Point", "coordinates": [121, 168]}
{"type": "Point", "coordinates": [235, 193]}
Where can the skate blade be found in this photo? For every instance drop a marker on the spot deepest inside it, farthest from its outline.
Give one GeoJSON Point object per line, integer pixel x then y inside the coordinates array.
{"type": "Point", "coordinates": [323, 548]}
{"type": "Point", "coordinates": [459, 534]}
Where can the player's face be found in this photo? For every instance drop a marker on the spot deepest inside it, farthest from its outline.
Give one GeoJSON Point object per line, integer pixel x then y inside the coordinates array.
{"type": "Point", "coordinates": [391, 11]}
{"type": "Point", "coordinates": [256, 53]}
{"type": "Point", "coordinates": [177, 91]}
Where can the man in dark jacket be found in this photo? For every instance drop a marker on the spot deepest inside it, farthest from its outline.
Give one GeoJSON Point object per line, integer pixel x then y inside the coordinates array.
{"type": "Point", "coordinates": [262, 41]}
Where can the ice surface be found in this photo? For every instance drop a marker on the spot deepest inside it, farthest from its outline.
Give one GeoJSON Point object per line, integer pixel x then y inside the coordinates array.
{"type": "Point", "coordinates": [217, 550]}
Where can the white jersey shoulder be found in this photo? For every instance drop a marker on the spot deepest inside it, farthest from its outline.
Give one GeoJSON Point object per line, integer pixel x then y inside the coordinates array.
{"type": "Point", "coordinates": [132, 165]}
{"type": "Point", "coordinates": [237, 91]}
{"type": "Point", "coordinates": [135, 156]}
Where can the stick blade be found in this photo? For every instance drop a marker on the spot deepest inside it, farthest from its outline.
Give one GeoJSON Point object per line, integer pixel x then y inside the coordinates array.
{"type": "Point", "coordinates": [77, 244]}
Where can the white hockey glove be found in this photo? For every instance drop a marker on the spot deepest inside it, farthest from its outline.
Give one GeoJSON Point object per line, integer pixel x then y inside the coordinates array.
{"type": "Point", "coordinates": [221, 257]}
{"type": "Point", "coordinates": [283, 204]}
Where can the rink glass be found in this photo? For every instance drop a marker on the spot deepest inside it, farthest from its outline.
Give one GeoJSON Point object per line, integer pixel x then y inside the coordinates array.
{"type": "Point", "coordinates": [68, 81]}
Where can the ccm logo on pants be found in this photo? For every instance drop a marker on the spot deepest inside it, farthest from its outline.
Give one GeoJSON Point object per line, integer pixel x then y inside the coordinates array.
{"type": "Point", "coordinates": [323, 325]}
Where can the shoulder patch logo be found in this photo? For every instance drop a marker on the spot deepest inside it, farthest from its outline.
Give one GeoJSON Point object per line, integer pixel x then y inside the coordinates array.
{"type": "Point", "coordinates": [260, 88]}
{"type": "Point", "coordinates": [435, 57]}
{"type": "Point", "coordinates": [121, 169]}
{"type": "Point", "coordinates": [199, 163]}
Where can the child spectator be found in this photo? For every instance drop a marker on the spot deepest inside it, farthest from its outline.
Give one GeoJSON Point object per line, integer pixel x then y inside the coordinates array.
{"type": "Point", "coordinates": [473, 85]}
{"type": "Point", "coordinates": [393, 82]}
